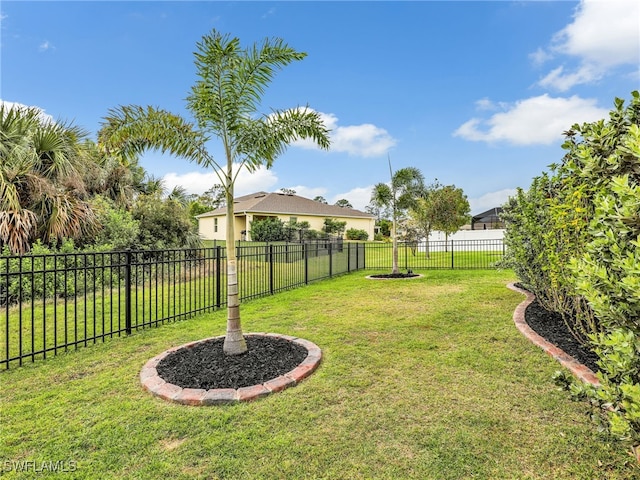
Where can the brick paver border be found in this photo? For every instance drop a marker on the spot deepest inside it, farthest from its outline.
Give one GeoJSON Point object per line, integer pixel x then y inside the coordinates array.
{"type": "Point", "coordinates": [155, 384]}
{"type": "Point", "coordinates": [579, 370]}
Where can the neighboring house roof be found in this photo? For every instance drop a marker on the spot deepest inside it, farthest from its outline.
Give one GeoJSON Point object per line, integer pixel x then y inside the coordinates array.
{"type": "Point", "coordinates": [490, 216]}
{"type": "Point", "coordinates": [283, 204]}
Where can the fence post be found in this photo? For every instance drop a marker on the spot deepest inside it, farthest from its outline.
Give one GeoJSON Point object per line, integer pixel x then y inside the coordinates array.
{"type": "Point", "coordinates": [305, 255]}
{"type": "Point", "coordinates": [330, 260]}
{"type": "Point", "coordinates": [127, 291]}
{"type": "Point", "coordinates": [218, 275]}
{"type": "Point", "coordinates": [452, 265]}
{"type": "Point", "coordinates": [406, 258]}
{"type": "Point", "coordinates": [5, 301]}
{"type": "Point", "coordinates": [271, 269]}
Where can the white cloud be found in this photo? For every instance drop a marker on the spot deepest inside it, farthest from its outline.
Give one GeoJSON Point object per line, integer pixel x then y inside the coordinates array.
{"type": "Point", "coordinates": [490, 200]}
{"type": "Point", "coordinates": [602, 36]}
{"type": "Point", "coordinates": [603, 32]}
{"type": "Point", "coordinates": [533, 121]}
{"type": "Point", "coordinates": [44, 117]}
{"type": "Point", "coordinates": [199, 182]}
{"type": "Point", "coordinates": [359, 197]}
{"type": "Point", "coordinates": [365, 140]}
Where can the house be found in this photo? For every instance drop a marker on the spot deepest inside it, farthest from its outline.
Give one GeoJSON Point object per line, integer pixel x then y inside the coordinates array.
{"type": "Point", "coordinates": [488, 220]}
{"type": "Point", "coordinates": [257, 206]}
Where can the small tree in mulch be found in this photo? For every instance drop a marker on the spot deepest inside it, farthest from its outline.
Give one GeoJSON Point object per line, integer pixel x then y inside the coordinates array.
{"type": "Point", "coordinates": [224, 104]}
{"type": "Point", "coordinates": [406, 186]}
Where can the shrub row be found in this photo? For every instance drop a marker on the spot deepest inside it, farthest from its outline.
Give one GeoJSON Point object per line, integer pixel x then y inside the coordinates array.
{"type": "Point", "coordinates": [573, 239]}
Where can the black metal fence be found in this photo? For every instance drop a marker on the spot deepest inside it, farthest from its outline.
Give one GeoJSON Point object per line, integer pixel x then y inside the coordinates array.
{"type": "Point", "coordinates": [56, 302]}
{"type": "Point", "coordinates": [441, 254]}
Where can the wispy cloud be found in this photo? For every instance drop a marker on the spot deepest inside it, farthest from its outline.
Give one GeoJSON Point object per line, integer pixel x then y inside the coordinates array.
{"type": "Point", "coordinates": [540, 57]}
{"type": "Point", "coordinates": [269, 13]}
{"type": "Point", "coordinates": [533, 121]}
{"type": "Point", "coordinates": [46, 46]}
{"type": "Point", "coordinates": [603, 35]}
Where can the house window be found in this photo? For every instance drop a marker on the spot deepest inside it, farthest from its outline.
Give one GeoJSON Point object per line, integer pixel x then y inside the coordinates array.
{"type": "Point", "coordinates": [215, 225]}
{"type": "Point", "coordinates": [293, 219]}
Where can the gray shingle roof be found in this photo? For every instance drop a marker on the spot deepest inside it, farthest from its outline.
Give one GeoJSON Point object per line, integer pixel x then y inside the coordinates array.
{"type": "Point", "coordinates": [280, 203]}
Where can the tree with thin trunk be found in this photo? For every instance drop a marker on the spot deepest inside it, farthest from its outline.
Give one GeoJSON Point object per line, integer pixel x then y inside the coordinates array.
{"type": "Point", "coordinates": [406, 186]}
{"type": "Point", "coordinates": [452, 209]}
{"type": "Point", "coordinates": [444, 208]}
{"type": "Point", "coordinates": [224, 103]}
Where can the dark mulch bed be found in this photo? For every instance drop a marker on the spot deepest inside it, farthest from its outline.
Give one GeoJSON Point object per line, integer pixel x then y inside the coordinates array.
{"type": "Point", "coordinates": [394, 275]}
{"type": "Point", "coordinates": [206, 366]}
{"type": "Point", "coordinates": [551, 327]}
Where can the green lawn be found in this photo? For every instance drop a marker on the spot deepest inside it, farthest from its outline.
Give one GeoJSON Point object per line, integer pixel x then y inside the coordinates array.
{"type": "Point", "coordinates": [425, 378]}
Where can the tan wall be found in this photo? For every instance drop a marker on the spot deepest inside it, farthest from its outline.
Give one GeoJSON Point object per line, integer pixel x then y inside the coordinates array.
{"type": "Point", "coordinates": [206, 228]}
{"type": "Point", "coordinates": [240, 225]}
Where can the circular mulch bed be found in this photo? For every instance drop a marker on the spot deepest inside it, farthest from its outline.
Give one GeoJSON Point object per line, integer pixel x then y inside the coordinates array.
{"type": "Point", "coordinates": [389, 276]}
{"type": "Point", "coordinates": [199, 373]}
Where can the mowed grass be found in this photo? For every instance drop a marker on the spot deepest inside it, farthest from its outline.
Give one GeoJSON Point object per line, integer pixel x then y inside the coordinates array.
{"type": "Point", "coordinates": [424, 378]}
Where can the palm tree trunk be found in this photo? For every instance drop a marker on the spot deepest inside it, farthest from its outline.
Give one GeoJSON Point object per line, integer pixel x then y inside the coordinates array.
{"type": "Point", "coordinates": [234, 342]}
{"type": "Point", "coordinates": [394, 269]}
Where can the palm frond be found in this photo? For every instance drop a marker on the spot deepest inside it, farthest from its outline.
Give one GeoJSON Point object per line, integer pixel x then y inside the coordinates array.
{"type": "Point", "coordinates": [131, 130]}
{"type": "Point", "coordinates": [233, 80]}
{"type": "Point", "coordinates": [263, 140]}
{"type": "Point", "coordinates": [381, 195]}
{"type": "Point", "coordinates": [66, 217]}
{"type": "Point", "coordinates": [16, 229]}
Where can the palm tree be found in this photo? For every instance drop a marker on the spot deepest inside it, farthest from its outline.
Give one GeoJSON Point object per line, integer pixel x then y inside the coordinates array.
{"type": "Point", "coordinates": [407, 184]}
{"type": "Point", "coordinates": [224, 102]}
{"type": "Point", "coordinates": [42, 193]}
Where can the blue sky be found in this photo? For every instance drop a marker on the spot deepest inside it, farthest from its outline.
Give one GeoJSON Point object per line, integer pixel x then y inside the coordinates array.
{"type": "Point", "coordinates": [475, 94]}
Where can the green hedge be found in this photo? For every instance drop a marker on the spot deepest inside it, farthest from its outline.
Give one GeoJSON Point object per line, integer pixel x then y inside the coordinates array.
{"type": "Point", "coordinates": [573, 238]}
